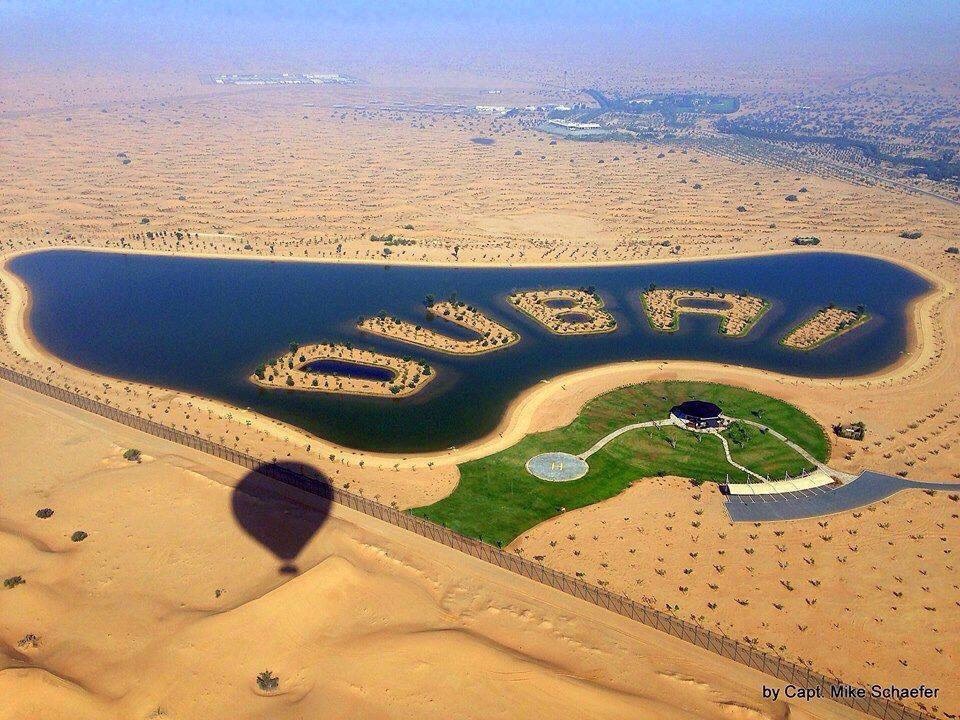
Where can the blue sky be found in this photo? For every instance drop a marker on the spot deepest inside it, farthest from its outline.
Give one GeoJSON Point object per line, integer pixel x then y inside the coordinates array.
{"type": "Point", "coordinates": [59, 31]}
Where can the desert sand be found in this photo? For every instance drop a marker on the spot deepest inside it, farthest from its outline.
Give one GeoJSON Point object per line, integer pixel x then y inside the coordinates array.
{"type": "Point", "coordinates": [170, 607]}
{"type": "Point", "coordinates": [293, 174]}
{"type": "Point", "coordinates": [870, 595]}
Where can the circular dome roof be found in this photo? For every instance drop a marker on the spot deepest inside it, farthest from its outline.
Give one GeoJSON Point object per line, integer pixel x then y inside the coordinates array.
{"type": "Point", "coordinates": [697, 409]}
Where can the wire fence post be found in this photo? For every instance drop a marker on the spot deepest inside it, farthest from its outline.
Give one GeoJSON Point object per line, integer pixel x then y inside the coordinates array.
{"type": "Point", "coordinates": [309, 480]}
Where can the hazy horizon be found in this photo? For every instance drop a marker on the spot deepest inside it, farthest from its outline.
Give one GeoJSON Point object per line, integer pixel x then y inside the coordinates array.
{"type": "Point", "coordinates": [512, 40]}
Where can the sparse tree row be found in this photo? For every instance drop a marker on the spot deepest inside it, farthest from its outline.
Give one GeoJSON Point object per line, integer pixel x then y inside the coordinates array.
{"type": "Point", "coordinates": [561, 311]}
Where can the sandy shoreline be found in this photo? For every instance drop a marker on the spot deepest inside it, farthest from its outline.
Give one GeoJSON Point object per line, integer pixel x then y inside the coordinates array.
{"type": "Point", "coordinates": [384, 591]}
{"type": "Point", "coordinates": [522, 416]}
{"type": "Point", "coordinates": [560, 263]}
{"type": "Point", "coordinates": [191, 599]}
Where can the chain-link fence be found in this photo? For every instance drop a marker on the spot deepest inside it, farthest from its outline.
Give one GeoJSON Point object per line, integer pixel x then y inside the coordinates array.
{"type": "Point", "coordinates": [311, 481]}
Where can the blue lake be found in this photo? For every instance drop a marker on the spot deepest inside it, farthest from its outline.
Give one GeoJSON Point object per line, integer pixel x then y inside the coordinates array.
{"type": "Point", "coordinates": [203, 325]}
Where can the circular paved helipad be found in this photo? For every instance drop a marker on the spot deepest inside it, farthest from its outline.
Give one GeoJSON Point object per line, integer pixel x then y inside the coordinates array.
{"type": "Point", "coordinates": [557, 467]}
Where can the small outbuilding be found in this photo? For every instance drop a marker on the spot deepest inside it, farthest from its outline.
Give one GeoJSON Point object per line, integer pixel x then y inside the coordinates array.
{"type": "Point", "coordinates": [699, 414]}
{"type": "Point", "coordinates": [853, 431]}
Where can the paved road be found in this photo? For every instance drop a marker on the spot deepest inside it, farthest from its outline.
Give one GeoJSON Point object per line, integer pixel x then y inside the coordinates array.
{"type": "Point", "coordinates": [869, 487]}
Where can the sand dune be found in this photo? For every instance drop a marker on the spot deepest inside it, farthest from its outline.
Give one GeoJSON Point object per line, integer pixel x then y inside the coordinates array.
{"type": "Point", "coordinates": [128, 622]}
{"type": "Point", "coordinates": [868, 595]}
{"type": "Point", "coordinates": [168, 608]}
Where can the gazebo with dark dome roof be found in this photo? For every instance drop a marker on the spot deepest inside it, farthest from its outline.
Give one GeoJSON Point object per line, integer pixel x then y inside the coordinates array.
{"type": "Point", "coordinates": [698, 413]}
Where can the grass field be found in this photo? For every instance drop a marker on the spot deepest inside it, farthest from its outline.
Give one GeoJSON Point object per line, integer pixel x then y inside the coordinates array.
{"type": "Point", "coordinates": [497, 499]}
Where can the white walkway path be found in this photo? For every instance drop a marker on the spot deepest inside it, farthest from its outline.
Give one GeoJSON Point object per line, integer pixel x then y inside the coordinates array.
{"type": "Point", "coordinates": [625, 429]}
{"type": "Point", "coordinates": [841, 476]}
{"type": "Point", "coordinates": [726, 451]}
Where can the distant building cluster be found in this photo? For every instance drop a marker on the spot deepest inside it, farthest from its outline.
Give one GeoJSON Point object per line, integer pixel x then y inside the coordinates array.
{"type": "Point", "coordinates": [282, 79]}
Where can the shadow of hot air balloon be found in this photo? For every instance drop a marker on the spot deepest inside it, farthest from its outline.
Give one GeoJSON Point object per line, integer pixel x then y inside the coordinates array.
{"type": "Point", "coordinates": [279, 521]}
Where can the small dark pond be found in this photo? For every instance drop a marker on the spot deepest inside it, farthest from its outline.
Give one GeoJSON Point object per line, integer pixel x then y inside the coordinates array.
{"type": "Point", "coordinates": [574, 317]}
{"type": "Point", "coordinates": [349, 369]}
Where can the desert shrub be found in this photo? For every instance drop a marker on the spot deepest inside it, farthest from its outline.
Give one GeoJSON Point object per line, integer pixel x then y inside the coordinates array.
{"type": "Point", "coordinates": [131, 454]}
{"type": "Point", "coordinates": [44, 513]}
{"type": "Point", "coordinates": [29, 640]}
{"type": "Point", "coordinates": [78, 536]}
{"type": "Point", "coordinates": [12, 582]}
{"type": "Point", "coordinates": [267, 681]}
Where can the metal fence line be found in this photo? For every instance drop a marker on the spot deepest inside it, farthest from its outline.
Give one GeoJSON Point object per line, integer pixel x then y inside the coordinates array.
{"type": "Point", "coordinates": [312, 482]}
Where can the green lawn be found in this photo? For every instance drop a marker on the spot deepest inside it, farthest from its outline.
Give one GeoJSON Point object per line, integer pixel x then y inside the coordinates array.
{"type": "Point", "coordinates": [497, 499]}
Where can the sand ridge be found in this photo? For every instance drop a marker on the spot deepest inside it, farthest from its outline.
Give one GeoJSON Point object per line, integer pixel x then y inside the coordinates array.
{"type": "Point", "coordinates": [194, 616]}
{"type": "Point", "coordinates": [870, 595]}
{"type": "Point", "coordinates": [288, 176]}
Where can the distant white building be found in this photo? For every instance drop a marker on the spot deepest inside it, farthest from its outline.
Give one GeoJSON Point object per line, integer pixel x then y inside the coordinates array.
{"type": "Point", "coordinates": [571, 125]}
{"type": "Point", "coordinates": [282, 79]}
{"type": "Point", "coordinates": [491, 109]}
